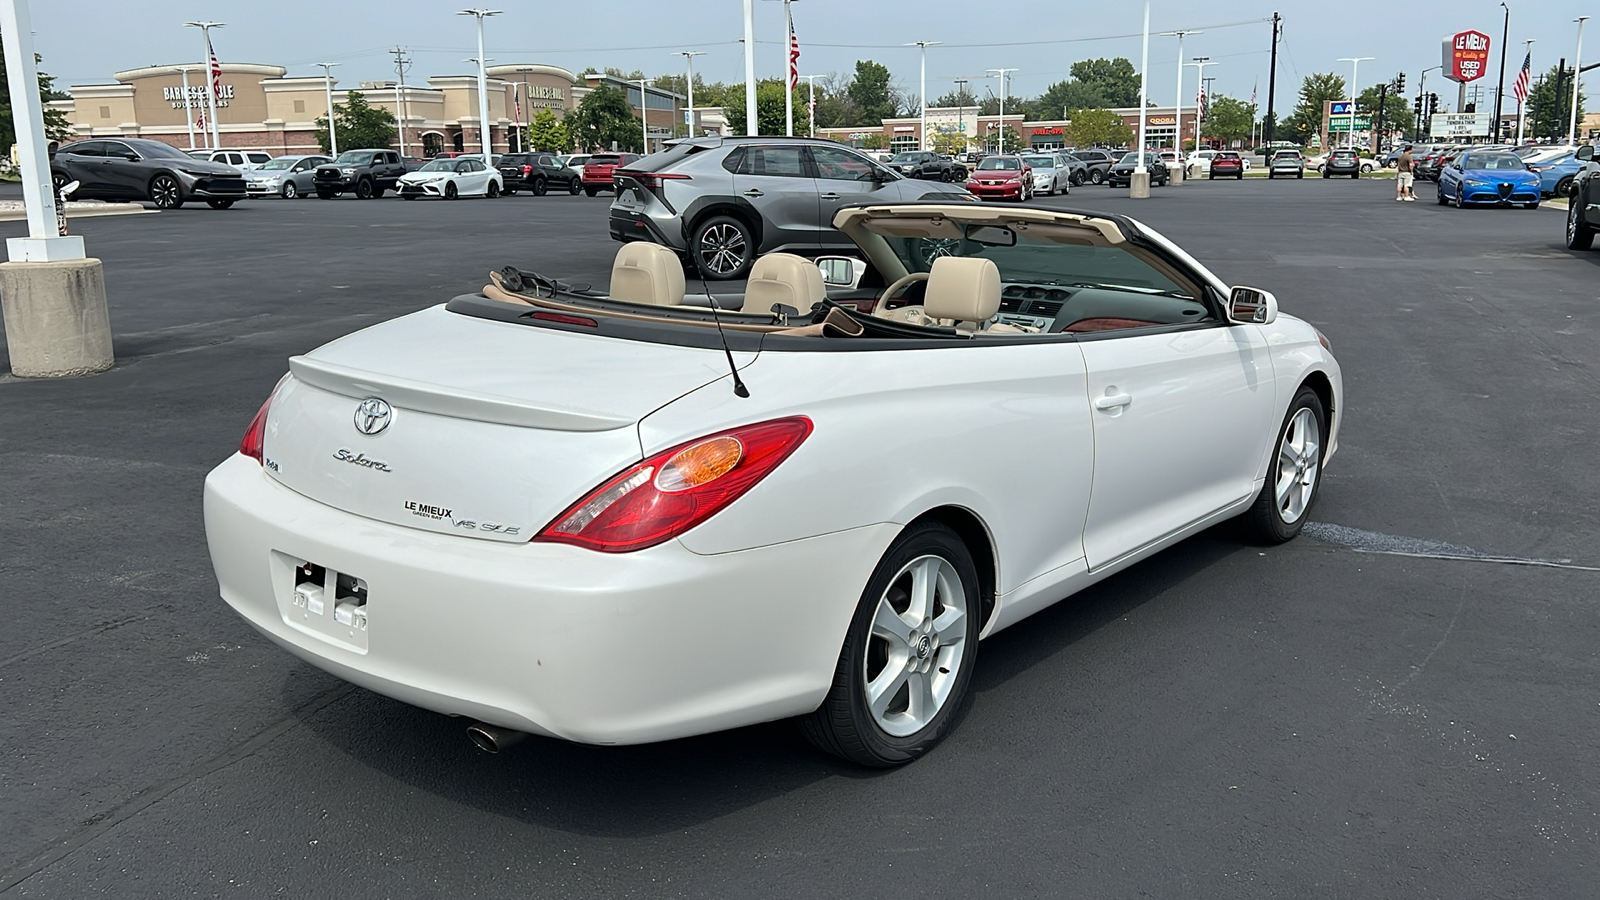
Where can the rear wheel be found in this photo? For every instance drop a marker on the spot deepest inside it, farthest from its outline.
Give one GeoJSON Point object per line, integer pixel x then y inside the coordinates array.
{"type": "Point", "coordinates": [1563, 187]}
{"type": "Point", "coordinates": [326, 195]}
{"type": "Point", "coordinates": [723, 248]}
{"type": "Point", "coordinates": [590, 190]}
{"type": "Point", "coordinates": [166, 192]}
{"type": "Point", "coordinates": [1097, 176]}
{"type": "Point", "coordinates": [1076, 178]}
{"type": "Point", "coordinates": [1580, 236]}
{"type": "Point", "coordinates": [1295, 475]}
{"type": "Point", "coordinates": [492, 190]}
{"type": "Point", "coordinates": [906, 665]}
{"type": "Point", "coordinates": [540, 187]}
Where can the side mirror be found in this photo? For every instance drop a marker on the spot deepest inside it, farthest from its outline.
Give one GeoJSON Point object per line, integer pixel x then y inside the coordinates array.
{"type": "Point", "coordinates": [1252, 306]}
{"type": "Point", "coordinates": [1586, 152]}
{"type": "Point", "coordinates": [841, 271]}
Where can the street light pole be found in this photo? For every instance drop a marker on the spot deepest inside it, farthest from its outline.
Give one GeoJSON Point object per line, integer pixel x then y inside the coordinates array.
{"type": "Point", "coordinates": [922, 129]}
{"type": "Point", "coordinates": [811, 105]}
{"type": "Point", "coordinates": [751, 127]}
{"type": "Point", "coordinates": [188, 105]}
{"type": "Point", "coordinates": [644, 114]}
{"type": "Point", "coordinates": [688, 56]}
{"type": "Point", "coordinates": [485, 131]}
{"type": "Point", "coordinates": [1577, 78]}
{"type": "Point", "coordinates": [327, 86]}
{"type": "Point", "coordinates": [1177, 105]}
{"type": "Point", "coordinates": [1355, 65]}
{"type": "Point", "coordinates": [1139, 181]}
{"type": "Point", "coordinates": [961, 110]}
{"type": "Point", "coordinates": [1003, 75]}
{"type": "Point", "coordinates": [1200, 63]}
{"type": "Point", "coordinates": [211, 94]}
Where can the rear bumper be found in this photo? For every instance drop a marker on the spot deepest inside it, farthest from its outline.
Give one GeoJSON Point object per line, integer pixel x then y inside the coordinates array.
{"type": "Point", "coordinates": [626, 226]}
{"type": "Point", "coordinates": [546, 638]}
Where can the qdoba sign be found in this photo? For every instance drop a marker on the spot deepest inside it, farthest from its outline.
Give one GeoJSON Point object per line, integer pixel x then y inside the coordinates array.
{"type": "Point", "coordinates": [1466, 56]}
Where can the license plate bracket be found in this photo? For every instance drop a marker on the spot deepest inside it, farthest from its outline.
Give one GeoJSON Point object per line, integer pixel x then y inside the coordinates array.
{"type": "Point", "coordinates": [323, 602]}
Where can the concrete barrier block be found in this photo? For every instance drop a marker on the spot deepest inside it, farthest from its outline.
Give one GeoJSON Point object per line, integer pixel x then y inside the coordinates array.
{"type": "Point", "coordinates": [56, 319]}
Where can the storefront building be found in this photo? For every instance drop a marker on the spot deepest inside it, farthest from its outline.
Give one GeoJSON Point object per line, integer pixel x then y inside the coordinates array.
{"type": "Point", "coordinates": [905, 133]}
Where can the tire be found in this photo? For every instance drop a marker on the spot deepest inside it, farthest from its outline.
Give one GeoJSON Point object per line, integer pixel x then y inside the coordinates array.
{"type": "Point", "coordinates": [450, 192]}
{"type": "Point", "coordinates": [219, 204]}
{"type": "Point", "coordinates": [1460, 198]}
{"type": "Point", "coordinates": [326, 195]}
{"type": "Point", "coordinates": [1356, 174]}
{"type": "Point", "coordinates": [1211, 176]}
{"type": "Point", "coordinates": [408, 196]}
{"type": "Point", "coordinates": [510, 191]}
{"type": "Point", "coordinates": [574, 187]}
{"type": "Point", "coordinates": [540, 188]}
{"type": "Point", "coordinates": [910, 716]}
{"type": "Point", "coordinates": [1300, 174]}
{"type": "Point", "coordinates": [1270, 176]}
{"type": "Point", "coordinates": [492, 189]}
{"type": "Point", "coordinates": [58, 181]}
{"type": "Point", "coordinates": [377, 191]}
{"type": "Point", "coordinates": [1076, 178]}
{"type": "Point", "coordinates": [166, 192]}
{"type": "Point", "coordinates": [1563, 187]}
{"type": "Point", "coordinates": [1326, 175]}
{"type": "Point", "coordinates": [590, 191]}
{"type": "Point", "coordinates": [1440, 194]}
{"type": "Point", "coordinates": [722, 248]}
{"type": "Point", "coordinates": [1580, 236]}
{"type": "Point", "coordinates": [1239, 177]}
{"type": "Point", "coordinates": [364, 189]}
{"type": "Point", "coordinates": [289, 191]}
{"type": "Point", "coordinates": [1534, 205]}
{"type": "Point", "coordinates": [1096, 176]}
{"type": "Point", "coordinates": [1294, 477]}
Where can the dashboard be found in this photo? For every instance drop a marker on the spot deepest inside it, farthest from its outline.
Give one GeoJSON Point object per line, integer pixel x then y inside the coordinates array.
{"type": "Point", "coordinates": [1040, 306]}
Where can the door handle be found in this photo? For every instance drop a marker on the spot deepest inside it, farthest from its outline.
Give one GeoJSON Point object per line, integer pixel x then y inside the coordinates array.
{"type": "Point", "coordinates": [1112, 401]}
{"type": "Point", "coordinates": [830, 196]}
{"type": "Point", "coordinates": [752, 193]}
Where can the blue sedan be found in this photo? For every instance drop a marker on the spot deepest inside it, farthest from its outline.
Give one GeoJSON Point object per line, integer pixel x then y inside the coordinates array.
{"type": "Point", "coordinates": [1555, 173]}
{"type": "Point", "coordinates": [1488, 176]}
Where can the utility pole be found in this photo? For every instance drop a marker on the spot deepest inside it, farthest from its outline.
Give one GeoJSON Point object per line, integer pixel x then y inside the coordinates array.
{"type": "Point", "coordinates": [1577, 72]}
{"type": "Point", "coordinates": [1505, 35]}
{"type": "Point", "coordinates": [327, 86]}
{"type": "Point", "coordinates": [401, 64]}
{"type": "Point", "coordinates": [1177, 105]}
{"type": "Point", "coordinates": [688, 57]}
{"type": "Point", "coordinates": [1272, 83]}
{"type": "Point", "coordinates": [811, 105]}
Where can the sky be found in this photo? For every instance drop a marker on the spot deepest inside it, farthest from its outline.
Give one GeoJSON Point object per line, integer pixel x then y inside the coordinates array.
{"type": "Point", "coordinates": [86, 41]}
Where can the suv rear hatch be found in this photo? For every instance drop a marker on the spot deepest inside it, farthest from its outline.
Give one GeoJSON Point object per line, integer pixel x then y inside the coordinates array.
{"type": "Point", "coordinates": [600, 166]}
{"type": "Point", "coordinates": [486, 429]}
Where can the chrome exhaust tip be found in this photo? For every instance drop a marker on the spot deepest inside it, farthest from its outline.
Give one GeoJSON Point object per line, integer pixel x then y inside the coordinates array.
{"type": "Point", "coordinates": [492, 738]}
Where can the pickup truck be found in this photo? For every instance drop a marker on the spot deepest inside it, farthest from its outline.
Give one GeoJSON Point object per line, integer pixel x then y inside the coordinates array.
{"type": "Point", "coordinates": [368, 173]}
{"type": "Point", "coordinates": [927, 166]}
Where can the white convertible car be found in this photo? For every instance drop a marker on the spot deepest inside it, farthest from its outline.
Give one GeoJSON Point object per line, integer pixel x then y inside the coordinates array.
{"type": "Point", "coordinates": [623, 518]}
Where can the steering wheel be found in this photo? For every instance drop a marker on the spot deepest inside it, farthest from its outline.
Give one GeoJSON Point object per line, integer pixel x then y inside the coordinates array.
{"type": "Point", "coordinates": [900, 284]}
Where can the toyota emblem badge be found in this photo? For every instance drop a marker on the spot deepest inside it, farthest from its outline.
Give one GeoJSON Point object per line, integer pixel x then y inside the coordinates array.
{"type": "Point", "coordinates": [373, 416]}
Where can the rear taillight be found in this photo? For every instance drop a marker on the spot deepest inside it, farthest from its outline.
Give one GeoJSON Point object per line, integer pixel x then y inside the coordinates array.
{"type": "Point", "coordinates": [652, 180]}
{"type": "Point", "coordinates": [673, 491]}
{"type": "Point", "coordinates": [255, 434]}
{"type": "Point", "coordinates": [527, 169]}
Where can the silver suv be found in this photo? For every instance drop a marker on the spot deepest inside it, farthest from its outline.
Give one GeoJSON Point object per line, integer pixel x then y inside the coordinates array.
{"type": "Point", "coordinates": [721, 202]}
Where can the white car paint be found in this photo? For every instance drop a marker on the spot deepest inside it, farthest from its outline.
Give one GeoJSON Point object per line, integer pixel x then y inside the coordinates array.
{"type": "Point", "coordinates": [468, 174]}
{"type": "Point", "coordinates": [740, 619]}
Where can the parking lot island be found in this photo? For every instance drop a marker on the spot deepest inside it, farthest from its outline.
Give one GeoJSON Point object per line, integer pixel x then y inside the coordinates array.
{"type": "Point", "coordinates": [56, 320]}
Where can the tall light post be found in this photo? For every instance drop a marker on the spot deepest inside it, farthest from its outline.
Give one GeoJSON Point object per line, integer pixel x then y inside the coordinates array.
{"type": "Point", "coordinates": [922, 129]}
{"type": "Point", "coordinates": [811, 105]}
{"type": "Point", "coordinates": [789, 62]}
{"type": "Point", "coordinates": [211, 94]}
{"type": "Point", "coordinates": [688, 56]}
{"type": "Point", "coordinates": [1422, 93]}
{"type": "Point", "coordinates": [1139, 181]}
{"type": "Point", "coordinates": [1200, 63]}
{"type": "Point", "coordinates": [485, 131]}
{"type": "Point", "coordinates": [644, 113]}
{"type": "Point", "coordinates": [188, 104]}
{"type": "Point", "coordinates": [1004, 75]}
{"type": "Point", "coordinates": [516, 115]}
{"type": "Point", "coordinates": [327, 86]}
{"type": "Point", "coordinates": [1355, 66]}
{"type": "Point", "coordinates": [1577, 78]}
{"type": "Point", "coordinates": [751, 127]}
{"type": "Point", "coordinates": [1177, 106]}
{"type": "Point", "coordinates": [1499, 92]}
{"type": "Point", "coordinates": [961, 110]}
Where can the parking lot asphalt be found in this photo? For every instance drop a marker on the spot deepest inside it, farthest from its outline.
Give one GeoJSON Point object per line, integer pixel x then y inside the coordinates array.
{"type": "Point", "coordinates": [1400, 704]}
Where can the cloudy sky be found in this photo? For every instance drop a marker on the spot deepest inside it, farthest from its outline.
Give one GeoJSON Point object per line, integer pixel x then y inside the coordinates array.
{"type": "Point", "coordinates": [85, 41]}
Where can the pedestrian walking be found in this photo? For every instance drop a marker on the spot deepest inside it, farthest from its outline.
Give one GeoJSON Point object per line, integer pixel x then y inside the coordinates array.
{"type": "Point", "coordinates": [1404, 178]}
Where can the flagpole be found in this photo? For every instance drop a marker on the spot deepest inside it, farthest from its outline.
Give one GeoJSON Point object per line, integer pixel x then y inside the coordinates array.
{"type": "Point", "coordinates": [788, 70]}
{"type": "Point", "coordinates": [213, 76]}
{"type": "Point", "coordinates": [188, 105]}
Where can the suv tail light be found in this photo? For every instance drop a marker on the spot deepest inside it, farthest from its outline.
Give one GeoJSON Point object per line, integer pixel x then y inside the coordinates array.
{"type": "Point", "coordinates": [255, 434]}
{"type": "Point", "coordinates": [652, 180]}
{"type": "Point", "coordinates": [671, 492]}
{"type": "Point", "coordinates": [526, 169]}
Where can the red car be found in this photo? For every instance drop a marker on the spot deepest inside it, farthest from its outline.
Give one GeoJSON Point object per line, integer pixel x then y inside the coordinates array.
{"type": "Point", "coordinates": [1227, 162]}
{"type": "Point", "coordinates": [1002, 177]}
{"type": "Point", "coordinates": [597, 171]}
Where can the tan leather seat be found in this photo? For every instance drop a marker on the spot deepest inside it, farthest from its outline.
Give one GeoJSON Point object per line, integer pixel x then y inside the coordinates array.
{"type": "Point", "coordinates": [784, 278]}
{"type": "Point", "coordinates": [647, 273]}
{"type": "Point", "coordinates": [964, 289]}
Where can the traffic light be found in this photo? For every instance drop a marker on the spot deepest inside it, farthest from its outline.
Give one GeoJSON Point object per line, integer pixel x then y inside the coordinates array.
{"type": "Point", "coordinates": [1400, 83]}
{"type": "Point", "coordinates": [1416, 106]}
{"type": "Point", "coordinates": [1471, 108]}
{"type": "Point", "coordinates": [1433, 104]}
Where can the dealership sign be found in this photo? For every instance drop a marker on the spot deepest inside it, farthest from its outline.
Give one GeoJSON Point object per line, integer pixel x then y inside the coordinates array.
{"type": "Point", "coordinates": [1459, 124]}
{"type": "Point", "coordinates": [1466, 56]}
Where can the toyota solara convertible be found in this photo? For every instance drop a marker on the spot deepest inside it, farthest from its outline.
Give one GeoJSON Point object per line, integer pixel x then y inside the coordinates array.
{"type": "Point", "coordinates": [629, 517]}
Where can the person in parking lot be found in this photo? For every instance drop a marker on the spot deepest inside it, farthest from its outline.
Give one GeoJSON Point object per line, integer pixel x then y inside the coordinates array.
{"type": "Point", "coordinates": [1404, 178]}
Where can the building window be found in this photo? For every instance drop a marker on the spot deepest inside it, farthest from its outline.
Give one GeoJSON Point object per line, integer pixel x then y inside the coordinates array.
{"type": "Point", "coordinates": [901, 142]}
{"type": "Point", "coordinates": [299, 106]}
{"type": "Point", "coordinates": [105, 112]}
{"type": "Point", "coordinates": [432, 143]}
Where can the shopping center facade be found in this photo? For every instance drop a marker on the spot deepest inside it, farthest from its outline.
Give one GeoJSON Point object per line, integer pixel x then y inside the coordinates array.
{"type": "Point", "coordinates": [906, 133]}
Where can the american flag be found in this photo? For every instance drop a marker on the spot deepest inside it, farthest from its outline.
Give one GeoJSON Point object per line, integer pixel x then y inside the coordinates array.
{"type": "Point", "coordinates": [1520, 89]}
{"type": "Point", "coordinates": [216, 69]}
{"type": "Point", "coordinates": [516, 98]}
{"type": "Point", "coordinates": [794, 55]}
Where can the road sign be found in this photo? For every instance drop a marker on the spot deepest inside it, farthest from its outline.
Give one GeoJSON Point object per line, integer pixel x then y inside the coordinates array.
{"type": "Point", "coordinates": [1339, 108]}
{"type": "Point", "coordinates": [1342, 123]}
{"type": "Point", "coordinates": [1460, 124]}
{"type": "Point", "coordinates": [1466, 56]}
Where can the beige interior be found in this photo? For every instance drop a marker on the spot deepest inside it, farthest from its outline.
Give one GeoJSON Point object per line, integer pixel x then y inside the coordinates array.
{"type": "Point", "coordinates": [784, 278]}
{"type": "Point", "coordinates": [964, 289]}
{"type": "Point", "coordinates": [649, 274]}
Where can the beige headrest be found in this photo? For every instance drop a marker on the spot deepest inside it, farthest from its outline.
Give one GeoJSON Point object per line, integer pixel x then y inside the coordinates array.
{"type": "Point", "coordinates": [784, 278]}
{"type": "Point", "coordinates": [966, 289]}
{"type": "Point", "coordinates": [647, 273]}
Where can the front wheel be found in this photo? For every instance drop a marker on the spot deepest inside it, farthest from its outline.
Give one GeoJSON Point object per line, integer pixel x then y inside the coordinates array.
{"type": "Point", "coordinates": [364, 189]}
{"type": "Point", "coordinates": [165, 192]}
{"type": "Point", "coordinates": [450, 192]}
{"type": "Point", "coordinates": [723, 248]}
{"type": "Point", "coordinates": [289, 191]}
{"type": "Point", "coordinates": [1295, 475]}
{"type": "Point", "coordinates": [1076, 178]}
{"type": "Point", "coordinates": [1580, 236]}
{"type": "Point", "coordinates": [492, 190]}
{"type": "Point", "coordinates": [1097, 176]}
{"type": "Point", "coordinates": [907, 660]}
{"type": "Point", "coordinates": [574, 187]}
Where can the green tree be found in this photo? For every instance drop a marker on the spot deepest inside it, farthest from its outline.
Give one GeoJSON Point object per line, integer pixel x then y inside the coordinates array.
{"type": "Point", "coordinates": [874, 97]}
{"type": "Point", "coordinates": [1548, 113]}
{"type": "Point", "coordinates": [1306, 119]}
{"type": "Point", "coordinates": [1096, 128]}
{"type": "Point", "coordinates": [603, 118]}
{"type": "Point", "coordinates": [1228, 118]}
{"type": "Point", "coordinates": [1113, 79]}
{"type": "Point", "coordinates": [949, 142]}
{"type": "Point", "coordinates": [547, 134]}
{"type": "Point", "coordinates": [962, 97]}
{"type": "Point", "coordinates": [1013, 141]}
{"type": "Point", "coordinates": [769, 109]}
{"type": "Point", "coordinates": [874, 141]}
{"type": "Point", "coordinates": [1397, 114]}
{"type": "Point", "coordinates": [56, 126]}
{"type": "Point", "coordinates": [361, 125]}
{"type": "Point", "coordinates": [1062, 96]}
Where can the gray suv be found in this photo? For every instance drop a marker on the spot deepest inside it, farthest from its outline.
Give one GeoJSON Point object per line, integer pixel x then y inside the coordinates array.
{"type": "Point", "coordinates": [721, 202]}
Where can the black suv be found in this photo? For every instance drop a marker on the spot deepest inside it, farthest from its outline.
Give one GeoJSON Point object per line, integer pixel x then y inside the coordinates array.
{"type": "Point", "coordinates": [927, 166]}
{"type": "Point", "coordinates": [366, 172]}
{"type": "Point", "coordinates": [1583, 202]}
{"type": "Point", "coordinates": [536, 173]}
{"type": "Point", "coordinates": [1097, 163]}
{"type": "Point", "coordinates": [138, 169]}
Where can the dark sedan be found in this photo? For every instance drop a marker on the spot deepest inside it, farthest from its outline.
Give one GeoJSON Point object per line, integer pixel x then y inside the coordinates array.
{"type": "Point", "coordinates": [138, 169]}
{"type": "Point", "coordinates": [1121, 174]}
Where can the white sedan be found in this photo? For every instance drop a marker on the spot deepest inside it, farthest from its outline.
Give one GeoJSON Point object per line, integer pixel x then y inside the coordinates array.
{"type": "Point", "coordinates": [1050, 174]}
{"type": "Point", "coordinates": [625, 519]}
{"type": "Point", "coordinates": [463, 176]}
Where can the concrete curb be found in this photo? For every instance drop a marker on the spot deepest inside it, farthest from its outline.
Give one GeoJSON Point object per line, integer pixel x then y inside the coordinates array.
{"type": "Point", "coordinates": [129, 209]}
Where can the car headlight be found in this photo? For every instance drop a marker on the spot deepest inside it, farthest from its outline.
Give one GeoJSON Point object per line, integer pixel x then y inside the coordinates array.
{"type": "Point", "coordinates": [193, 174]}
{"type": "Point", "coordinates": [350, 171]}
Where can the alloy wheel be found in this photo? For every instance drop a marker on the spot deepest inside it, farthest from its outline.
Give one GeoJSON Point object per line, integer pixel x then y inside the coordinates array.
{"type": "Point", "coordinates": [164, 192]}
{"type": "Point", "coordinates": [917, 646]}
{"type": "Point", "coordinates": [1299, 464]}
{"type": "Point", "coordinates": [289, 191]}
{"type": "Point", "coordinates": [723, 248]}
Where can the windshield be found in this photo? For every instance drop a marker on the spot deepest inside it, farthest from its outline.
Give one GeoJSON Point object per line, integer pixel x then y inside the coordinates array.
{"type": "Point", "coordinates": [354, 158]}
{"type": "Point", "coordinates": [282, 162]}
{"type": "Point", "coordinates": [1007, 163]}
{"type": "Point", "coordinates": [159, 150]}
{"type": "Point", "coordinates": [439, 165]}
{"type": "Point", "coordinates": [1132, 157]}
{"type": "Point", "coordinates": [905, 157]}
{"type": "Point", "coordinates": [1493, 161]}
{"type": "Point", "coordinates": [1286, 154]}
{"type": "Point", "coordinates": [1040, 162]}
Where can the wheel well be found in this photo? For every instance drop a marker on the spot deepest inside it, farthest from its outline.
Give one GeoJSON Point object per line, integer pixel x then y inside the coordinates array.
{"type": "Point", "coordinates": [975, 535]}
{"type": "Point", "coordinates": [1319, 383]}
{"type": "Point", "coordinates": [751, 222]}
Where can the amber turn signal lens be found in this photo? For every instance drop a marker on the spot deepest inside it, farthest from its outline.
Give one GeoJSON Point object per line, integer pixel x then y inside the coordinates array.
{"type": "Point", "coordinates": [701, 463]}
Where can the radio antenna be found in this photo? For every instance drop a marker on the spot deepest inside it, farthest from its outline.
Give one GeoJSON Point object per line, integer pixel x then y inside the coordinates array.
{"type": "Point", "coordinates": [739, 390]}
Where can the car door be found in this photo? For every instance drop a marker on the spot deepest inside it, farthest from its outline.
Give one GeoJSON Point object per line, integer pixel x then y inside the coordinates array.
{"type": "Point", "coordinates": [125, 174]}
{"type": "Point", "coordinates": [845, 177]}
{"type": "Point", "coordinates": [775, 180]}
{"type": "Point", "coordinates": [81, 161]}
{"type": "Point", "coordinates": [1182, 420]}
